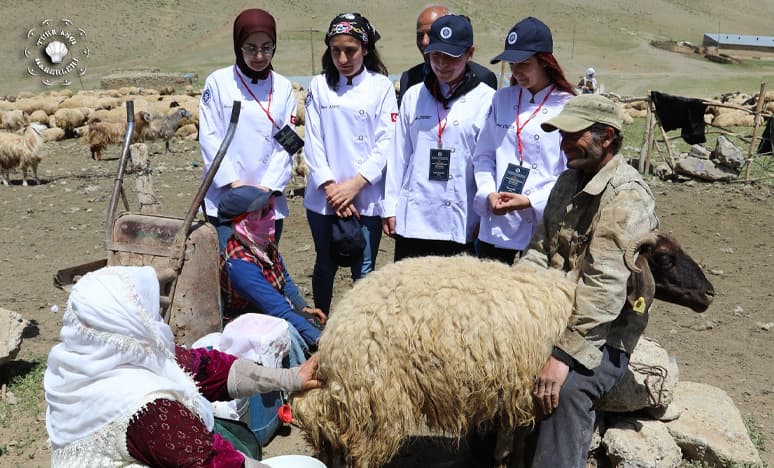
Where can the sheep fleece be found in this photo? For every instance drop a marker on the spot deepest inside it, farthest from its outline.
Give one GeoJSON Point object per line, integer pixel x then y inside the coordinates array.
{"type": "Point", "coordinates": [445, 344]}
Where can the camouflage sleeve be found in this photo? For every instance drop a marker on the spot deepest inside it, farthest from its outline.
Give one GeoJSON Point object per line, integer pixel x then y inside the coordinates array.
{"type": "Point", "coordinates": [601, 291]}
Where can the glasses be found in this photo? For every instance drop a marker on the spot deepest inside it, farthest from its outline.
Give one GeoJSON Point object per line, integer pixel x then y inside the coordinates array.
{"type": "Point", "coordinates": [255, 51]}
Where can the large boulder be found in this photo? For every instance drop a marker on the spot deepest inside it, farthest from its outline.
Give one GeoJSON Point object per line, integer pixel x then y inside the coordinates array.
{"type": "Point", "coordinates": [634, 443]}
{"type": "Point", "coordinates": [11, 329]}
{"type": "Point", "coordinates": [703, 169]}
{"type": "Point", "coordinates": [710, 428]}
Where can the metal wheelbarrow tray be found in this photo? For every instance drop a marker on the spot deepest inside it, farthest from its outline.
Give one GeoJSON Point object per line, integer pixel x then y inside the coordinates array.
{"type": "Point", "coordinates": [184, 252]}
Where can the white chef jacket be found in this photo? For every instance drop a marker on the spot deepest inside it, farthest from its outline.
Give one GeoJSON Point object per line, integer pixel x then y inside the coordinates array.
{"type": "Point", "coordinates": [497, 147]}
{"type": "Point", "coordinates": [254, 156]}
{"type": "Point", "coordinates": [349, 131]}
{"type": "Point", "coordinates": [431, 209]}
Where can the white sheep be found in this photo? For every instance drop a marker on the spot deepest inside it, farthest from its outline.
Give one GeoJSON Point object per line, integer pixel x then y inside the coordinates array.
{"type": "Point", "coordinates": [12, 119]}
{"type": "Point", "coordinates": [453, 345]}
{"type": "Point", "coordinates": [68, 119]}
{"type": "Point", "coordinates": [102, 133]}
{"type": "Point", "coordinates": [21, 150]}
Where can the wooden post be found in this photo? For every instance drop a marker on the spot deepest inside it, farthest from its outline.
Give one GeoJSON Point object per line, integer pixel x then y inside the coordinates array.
{"type": "Point", "coordinates": [645, 149]}
{"type": "Point", "coordinates": [756, 125]}
{"type": "Point", "coordinates": [143, 184]}
{"type": "Point", "coordinates": [671, 161]}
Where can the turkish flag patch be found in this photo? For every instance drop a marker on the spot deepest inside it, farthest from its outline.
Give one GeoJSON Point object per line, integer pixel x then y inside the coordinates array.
{"type": "Point", "coordinates": [394, 116]}
{"type": "Point", "coordinates": [292, 119]}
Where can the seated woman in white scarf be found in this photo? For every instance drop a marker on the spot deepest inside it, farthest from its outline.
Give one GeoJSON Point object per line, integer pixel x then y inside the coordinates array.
{"type": "Point", "coordinates": [120, 393]}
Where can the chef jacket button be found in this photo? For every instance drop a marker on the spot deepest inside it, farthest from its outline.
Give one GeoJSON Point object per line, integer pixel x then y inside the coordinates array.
{"type": "Point", "coordinates": [266, 138]}
{"type": "Point", "coordinates": [526, 192]}
{"type": "Point", "coordinates": [359, 162]}
{"type": "Point", "coordinates": [362, 111]}
{"type": "Point", "coordinates": [537, 137]}
{"type": "Point", "coordinates": [534, 166]}
{"type": "Point", "coordinates": [447, 203]}
{"type": "Point", "coordinates": [545, 111]}
{"type": "Point", "coordinates": [453, 150]}
{"type": "Point", "coordinates": [462, 99]}
{"type": "Point", "coordinates": [456, 122]}
{"type": "Point", "coordinates": [265, 160]}
{"type": "Point", "coordinates": [360, 138]}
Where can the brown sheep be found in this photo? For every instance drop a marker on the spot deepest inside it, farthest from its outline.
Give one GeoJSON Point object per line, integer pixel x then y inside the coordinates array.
{"type": "Point", "coordinates": [102, 133]}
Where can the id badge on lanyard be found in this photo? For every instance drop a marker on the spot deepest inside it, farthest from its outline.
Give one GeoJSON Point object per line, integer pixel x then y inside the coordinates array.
{"type": "Point", "coordinates": [289, 139]}
{"type": "Point", "coordinates": [514, 179]}
{"type": "Point", "coordinates": [440, 158]}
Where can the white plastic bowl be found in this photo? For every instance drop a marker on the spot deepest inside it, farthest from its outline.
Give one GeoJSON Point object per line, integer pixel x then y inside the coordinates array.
{"type": "Point", "coordinates": [293, 461]}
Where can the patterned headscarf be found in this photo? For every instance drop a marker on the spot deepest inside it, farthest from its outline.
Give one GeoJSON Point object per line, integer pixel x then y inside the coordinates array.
{"type": "Point", "coordinates": [355, 25]}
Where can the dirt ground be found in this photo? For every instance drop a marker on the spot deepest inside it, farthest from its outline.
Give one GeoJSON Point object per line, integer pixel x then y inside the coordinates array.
{"type": "Point", "coordinates": [60, 223]}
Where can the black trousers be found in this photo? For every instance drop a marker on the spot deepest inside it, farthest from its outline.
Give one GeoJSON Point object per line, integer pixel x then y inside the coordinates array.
{"type": "Point", "coordinates": [487, 250]}
{"type": "Point", "coordinates": [406, 247]}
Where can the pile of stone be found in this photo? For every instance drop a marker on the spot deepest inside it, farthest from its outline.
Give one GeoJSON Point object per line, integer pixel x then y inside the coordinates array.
{"type": "Point", "coordinates": [654, 420]}
{"type": "Point", "coordinates": [722, 164]}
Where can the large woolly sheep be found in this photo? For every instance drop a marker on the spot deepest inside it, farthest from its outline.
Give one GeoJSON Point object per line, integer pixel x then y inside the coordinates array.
{"type": "Point", "coordinates": [21, 150]}
{"type": "Point", "coordinates": [453, 345]}
{"type": "Point", "coordinates": [68, 119]}
{"type": "Point", "coordinates": [102, 133]}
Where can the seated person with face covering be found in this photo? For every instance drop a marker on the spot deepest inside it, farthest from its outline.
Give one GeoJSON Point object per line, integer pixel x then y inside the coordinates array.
{"type": "Point", "coordinates": [253, 275]}
{"type": "Point", "coordinates": [121, 393]}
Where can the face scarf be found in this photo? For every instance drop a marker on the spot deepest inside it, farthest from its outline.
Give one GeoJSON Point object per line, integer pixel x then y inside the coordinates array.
{"type": "Point", "coordinates": [256, 232]}
{"type": "Point", "coordinates": [117, 355]}
{"type": "Point", "coordinates": [249, 22]}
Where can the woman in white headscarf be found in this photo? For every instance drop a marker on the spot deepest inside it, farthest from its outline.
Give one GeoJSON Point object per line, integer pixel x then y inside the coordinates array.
{"type": "Point", "coordinates": [120, 393]}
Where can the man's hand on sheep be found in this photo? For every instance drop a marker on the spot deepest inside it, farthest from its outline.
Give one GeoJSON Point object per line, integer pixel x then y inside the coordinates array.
{"type": "Point", "coordinates": [548, 384]}
{"type": "Point", "coordinates": [308, 374]}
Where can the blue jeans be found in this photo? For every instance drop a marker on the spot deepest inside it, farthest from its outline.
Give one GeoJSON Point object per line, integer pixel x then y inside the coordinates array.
{"type": "Point", "coordinates": [324, 268]}
{"type": "Point", "coordinates": [562, 439]}
{"type": "Point", "coordinates": [224, 231]}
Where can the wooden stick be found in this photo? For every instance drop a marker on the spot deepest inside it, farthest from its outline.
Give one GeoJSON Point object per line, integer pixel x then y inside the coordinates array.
{"type": "Point", "coordinates": [734, 106]}
{"type": "Point", "coordinates": [645, 140]}
{"type": "Point", "coordinates": [756, 125]}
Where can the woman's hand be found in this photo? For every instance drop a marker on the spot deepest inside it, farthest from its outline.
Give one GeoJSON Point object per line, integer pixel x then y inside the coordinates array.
{"type": "Point", "coordinates": [308, 374]}
{"type": "Point", "coordinates": [348, 211]}
{"type": "Point", "coordinates": [388, 226]}
{"type": "Point", "coordinates": [343, 194]}
{"type": "Point", "coordinates": [505, 202]}
{"type": "Point", "coordinates": [317, 313]}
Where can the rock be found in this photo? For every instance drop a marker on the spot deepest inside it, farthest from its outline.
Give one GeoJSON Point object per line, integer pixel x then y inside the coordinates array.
{"type": "Point", "coordinates": [711, 429]}
{"type": "Point", "coordinates": [662, 171]}
{"type": "Point", "coordinates": [704, 169]}
{"type": "Point", "coordinates": [765, 326]}
{"type": "Point", "coordinates": [633, 443]}
{"type": "Point", "coordinates": [11, 329]}
{"type": "Point", "coordinates": [727, 154]}
{"type": "Point", "coordinates": [699, 151]}
{"type": "Point", "coordinates": [649, 383]}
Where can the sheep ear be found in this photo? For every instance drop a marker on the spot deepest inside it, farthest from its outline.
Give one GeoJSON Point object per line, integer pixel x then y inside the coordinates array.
{"type": "Point", "coordinates": [641, 287]}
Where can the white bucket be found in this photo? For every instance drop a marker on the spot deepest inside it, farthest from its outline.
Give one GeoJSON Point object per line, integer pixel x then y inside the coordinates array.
{"type": "Point", "coordinates": [293, 461]}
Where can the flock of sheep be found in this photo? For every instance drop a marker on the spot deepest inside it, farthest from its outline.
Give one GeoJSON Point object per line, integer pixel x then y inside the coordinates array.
{"type": "Point", "coordinates": [28, 121]}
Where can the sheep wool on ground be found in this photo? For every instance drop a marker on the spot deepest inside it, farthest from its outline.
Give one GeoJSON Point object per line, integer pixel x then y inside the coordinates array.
{"type": "Point", "coordinates": [432, 343]}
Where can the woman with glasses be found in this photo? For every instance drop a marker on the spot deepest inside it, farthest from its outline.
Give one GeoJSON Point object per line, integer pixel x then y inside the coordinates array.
{"type": "Point", "coordinates": [256, 156]}
{"type": "Point", "coordinates": [351, 111]}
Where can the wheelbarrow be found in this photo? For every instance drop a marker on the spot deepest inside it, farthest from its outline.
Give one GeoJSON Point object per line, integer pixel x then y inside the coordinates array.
{"type": "Point", "coordinates": [183, 251]}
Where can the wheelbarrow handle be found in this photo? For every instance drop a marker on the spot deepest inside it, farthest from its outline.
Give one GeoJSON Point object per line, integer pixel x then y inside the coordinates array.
{"type": "Point", "coordinates": [206, 182]}
{"type": "Point", "coordinates": [210, 175]}
{"type": "Point", "coordinates": [118, 186]}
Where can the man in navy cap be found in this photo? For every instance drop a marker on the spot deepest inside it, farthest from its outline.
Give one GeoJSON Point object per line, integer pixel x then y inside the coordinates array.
{"type": "Point", "coordinates": [417, 73]}
{"type": "Point", "coordinates": [253, 274]}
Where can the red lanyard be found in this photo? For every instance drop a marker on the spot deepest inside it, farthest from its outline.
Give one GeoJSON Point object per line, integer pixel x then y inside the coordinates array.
{"type": "Point", "coordinates": [519, 128]}
{"type": "Point", "coordinates": [441, 123]}
{"type": "Point", "coordinates": [266, 109]}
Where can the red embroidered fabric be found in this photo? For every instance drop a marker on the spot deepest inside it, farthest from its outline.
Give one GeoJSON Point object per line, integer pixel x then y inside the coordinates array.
{"type": "Point", "coordinates": [166, 433]}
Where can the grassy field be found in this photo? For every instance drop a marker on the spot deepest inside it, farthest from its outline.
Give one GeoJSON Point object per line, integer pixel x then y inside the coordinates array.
{"type": "Point", "coordinates": [195, 36]}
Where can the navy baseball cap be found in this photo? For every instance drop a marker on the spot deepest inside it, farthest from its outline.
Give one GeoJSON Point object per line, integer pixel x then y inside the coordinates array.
{"type": "Point", "coordinates": [243, 199]}
{"type": "Point", "coordinates": [347, 241]}
{"type": "Point", "coordinates": [526, 38]}
{"type": "Point", "coordinates": [451, 35]}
